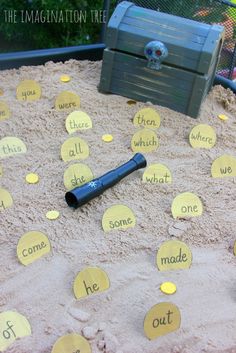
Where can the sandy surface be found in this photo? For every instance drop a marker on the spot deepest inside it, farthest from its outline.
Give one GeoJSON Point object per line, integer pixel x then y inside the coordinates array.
{"type": "Point", "coordinates": [42, 291]}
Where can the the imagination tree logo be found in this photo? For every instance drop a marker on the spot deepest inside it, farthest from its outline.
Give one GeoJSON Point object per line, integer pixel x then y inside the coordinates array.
{"type": "Point", "coordinates": [54, 16]}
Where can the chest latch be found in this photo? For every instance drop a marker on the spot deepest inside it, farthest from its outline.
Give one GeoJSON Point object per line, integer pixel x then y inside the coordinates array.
{"type": "Point", "coordinates": [155, 52]}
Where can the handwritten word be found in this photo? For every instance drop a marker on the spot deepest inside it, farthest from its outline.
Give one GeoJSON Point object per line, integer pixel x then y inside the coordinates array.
{"type": "Point", "coordinates": [142, 121]}
{"type": "Point", "coordinates": [142, 143]}
{"type": "Point", "coordinates": [33, 249]}
{"type": "Point", "coordinates": [76, 151]}
{"type": "Point", "coordinates": [120, 223]}
{"type": "Point", "coordinates": [174, 259]}
{"type": "Point", "coordinates": [81, 125]}
{"type": "Point", "coordinates": [11, 149]}
{"type": "Point", "coordinates": [165, 320]}
{"type": "Point", "coordinates": [92, 289]}
{"type": "Point", "coordinates": [8, 331]}
{"type": "Point", "coordinates": [26, 94]}
{"type": "Point", "coordinates": [155, 179]}
{"type": "Point", "coordinates": [67, 105]}
{"type": "Point", "coordinates": [199, 137]}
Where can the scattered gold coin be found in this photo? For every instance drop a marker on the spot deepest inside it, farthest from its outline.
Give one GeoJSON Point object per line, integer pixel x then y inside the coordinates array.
{"type": "Point", "coordinates": [1, 92]}
{"type": "Point", "coordinates": [52, 214]}
{"type": "Point", "coordinates": [168, 288]}
{"type": "Point", "coordinates": [65, 78]}
{"type": "Point", "coordinates": [107, 138]}
{"type": "Point", "coordinates": [223, 117]}
{"type": "Point", "coordinates": [32, 178]}
{"type": "Point", "coordinates": [131, 102]}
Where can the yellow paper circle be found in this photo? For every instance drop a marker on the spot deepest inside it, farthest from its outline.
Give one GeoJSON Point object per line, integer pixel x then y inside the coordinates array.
{"type": "Point", "coordinates": [12, 327]}
{"type": "Point", "coordinates": [76, 175]}
{"type": "Point", "coordinates": [6, 200]}
{"type": "Point", "coordinates": [223, 117]}
{"type": "Point", "coordinates": [74, 148]}
{"type": "Point", "coordinates": [118, 217]}
{"type": "Point", "coordinates": [168, 288]}
{"type": "Point", "coordinates": [11, 146]}
{"type": "Point", "coordinates": [28, 90]}
{"type": "Point", "coordinates": [71, 343]}
{"type": "Point", "coordinates": [78, 120]}
{"type": "Point", "coordinates": [202, 136]}
{"type": "Point", "coordinates": [107, 138]}
{"type": "Point", "coordinates": [52, 215]}
{"type": "Point", "coordinates": [145, 141]}
{"type": "Point", "coordinates": [161, 319]}
{"type": "Point", "coordinates": [157, 174]}
{"type": "Point", "coordinates": [186, 204]}
{"type": "Point", "coordinates": [32, 178]}
{"type": "Point", "coordinates": [32, 246]}
{"type": "Point", "coordinates": [4, 111]}
{"type": "Point", "coordinates": [65, 78]}
{"type": "Point", "coordinates": [173, 255]}
{"type": "Point", "coordinates": [67, 100]}
{"type": "Point", "coordinates": [224, 166]}
{"type": "Point", "coordinates": [89, 281]}
{"type": "Point", "coordinates": [235, 248]}
{"type": "Point", "coordinates": [147, 117]}
{"type": "Point", "coordinates": [1, 171]}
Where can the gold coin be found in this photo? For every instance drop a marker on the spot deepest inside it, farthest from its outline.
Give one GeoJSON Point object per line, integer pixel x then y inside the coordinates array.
{"type": "Point", "coordinates": [107, 138]}
{"type": "Point", "coordinates": [32, 178]}
{"type": "Point", "coordinates": [131, 102]}
{"type": "Point", "coordinates": [65, 78]}
{"type": "Point", "coordinates": [54, 214]}
{"type": "Point", "coordinates": [223, 117]}
{"type": "Point", "coordinates": [168, 288]}
{"type": "Point", "coordinates": [1, 92]}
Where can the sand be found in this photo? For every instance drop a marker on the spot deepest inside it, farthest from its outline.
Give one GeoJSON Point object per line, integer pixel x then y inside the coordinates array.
{"type": "Point", "coordinates": [113, 320]}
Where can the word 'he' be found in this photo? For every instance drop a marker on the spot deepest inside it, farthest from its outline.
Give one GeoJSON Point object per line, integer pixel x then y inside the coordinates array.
{"type": "Point", "coordinates": [91, 289]}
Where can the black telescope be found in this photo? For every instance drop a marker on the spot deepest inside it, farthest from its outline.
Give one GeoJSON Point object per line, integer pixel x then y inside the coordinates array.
{"type": "Point", "coordinates": [83, 194]}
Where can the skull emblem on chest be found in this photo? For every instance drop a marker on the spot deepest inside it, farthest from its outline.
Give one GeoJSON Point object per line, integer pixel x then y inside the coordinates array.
{"type": "Point", "coordinates": [155, 52]}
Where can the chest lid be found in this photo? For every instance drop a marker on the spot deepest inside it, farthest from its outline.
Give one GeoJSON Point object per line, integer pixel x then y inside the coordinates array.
{"type": "Point", "coordinates": [190, 45]}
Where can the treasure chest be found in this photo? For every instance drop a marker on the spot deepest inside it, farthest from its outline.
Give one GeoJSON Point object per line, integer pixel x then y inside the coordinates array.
{"type": "Point", "coordinates": [160, 58]}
